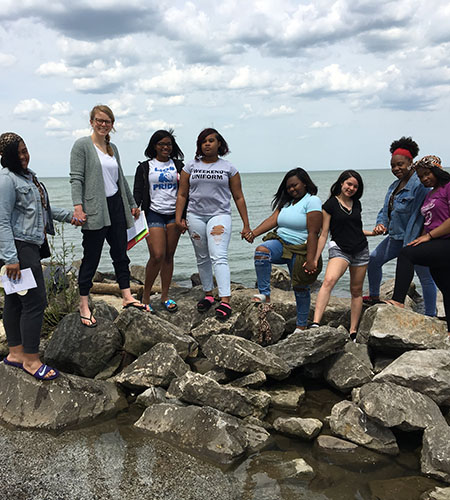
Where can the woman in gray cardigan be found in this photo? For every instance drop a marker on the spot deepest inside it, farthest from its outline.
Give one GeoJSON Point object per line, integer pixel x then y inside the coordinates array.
{"type": "Point", "coordinates": [102, 198]}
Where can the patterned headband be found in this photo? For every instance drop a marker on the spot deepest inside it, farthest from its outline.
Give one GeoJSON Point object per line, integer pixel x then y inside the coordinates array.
{"type": "Point", "coordinates": [8, 138]}
{"type": "Point", "coordinates": [429, 161]}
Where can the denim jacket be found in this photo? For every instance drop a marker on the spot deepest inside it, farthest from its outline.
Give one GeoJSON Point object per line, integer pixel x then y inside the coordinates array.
{"type": "Point", "coordinates": [21, 214]}
{"type": "Point", "coordinates": [406, 220]}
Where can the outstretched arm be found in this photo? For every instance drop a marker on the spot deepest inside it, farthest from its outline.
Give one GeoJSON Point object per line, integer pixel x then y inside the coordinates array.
{"type": "Point", "coordinates": [238, 196]}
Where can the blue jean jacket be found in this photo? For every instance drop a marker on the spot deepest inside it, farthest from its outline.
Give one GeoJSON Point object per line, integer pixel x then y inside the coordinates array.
{"type": "Point", "coordinates": [22, 215]}
{"type": "Point", "coordinates": [406, 220]}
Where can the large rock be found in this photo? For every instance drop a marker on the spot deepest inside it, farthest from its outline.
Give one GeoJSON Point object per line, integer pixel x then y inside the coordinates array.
{"type": "Point", "coordinates": [304, 428]}
{"type": "Point", "coordinates": [435, 459]}
{"type": "Point", "coordinates": [436, 494]}
{"type": "Point", "coordinates": [427, 372]}
{"type": "Point", "coordinates": [142, 331]}
{"type": "Point", "coordinates": [244, 356]}
{"type": "Point", "coordinates": [309, 346]}
{"type": "Point", "coordinates": [250, 381]}
{"type": "Point", "coordinates": [203, 431]}
{"type": "Point", "coordinates": [348, 421]}
{"type": "Point", "coordinates": [350, 368]}
{"type": "Point", "coordinates": [260, 323]}
{"type": "Point", "coordinates": [202, 390]}
{"type": "Point", "coordinates": [387, 327]}
{"type": "Point", "coordinates": [213, 326]}
{"type": "Point", "coordinates": [286, 397]}
{"type": "Point", "coordinates": [66, 401]}
{"type": "Point", "coordinates": [158, 366]}
{"type": "Point", "coordinates": [336, 313]}
{"type": "Point", "coordinates": [84, 351]}
{"type": "Point", "coordinates": [392, 405]}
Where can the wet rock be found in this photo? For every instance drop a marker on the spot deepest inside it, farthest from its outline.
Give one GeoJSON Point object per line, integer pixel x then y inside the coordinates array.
{"type": "Point", "coordinates": [213, 326]}
{"type": "Point", "coordinates": [244, 356]}
{"type": "Point", "coordinates": [427, 372]}
{"type": "Point", "coordinates": [286, 397]}
{"type": "Point", "coordinates": [83, 351]}
{"type": "Point", "coordinates": [203, 431]}
{"type": "Point", "coordinates": [408, 487]}
{"type": "Point", "coordinates": [260, 323]}
{"type": "Point", "coordinates": [350, 368]}
{"type": "Point", "coordinates": [157, 367]}
{"type": "Point", "coordinates": [348, 421]}
{"type": "Point", "coordinates": [435, 458]}
{"type": "Point", "coordinates": [202, 390]}
{"type": "Point", "coordinates": [304, 428]}
{"type": "Point", "coordinates": [436, 494]}
{"type": "Point", "coordinates": [387, 327]}
{"type": "Point", "coordinates": [337, 451]}
{"type": "Point", "coordinates": [66, 401]}
{"type": "Point", "coordinates": [253, 380]}
{"type": "Point", "coordinates": [391, 405]}
{"type": "Point", "coordinates": [256, 434]}
{"type": "Point", "coordinates": [309, 346]}
{"type": "Point", "coordinates": [142, 331]}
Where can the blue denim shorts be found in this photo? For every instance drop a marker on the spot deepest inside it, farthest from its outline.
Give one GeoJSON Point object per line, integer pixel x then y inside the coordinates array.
{"type": "Point", "coordinates": [154, 219]}
{"type": "Point", "coordinates": [358, 259]}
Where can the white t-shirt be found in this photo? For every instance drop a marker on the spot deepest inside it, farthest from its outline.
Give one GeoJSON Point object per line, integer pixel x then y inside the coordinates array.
{"type": "Point", "coordinates": [110, 170]}
{"type": "Point", "coordinates": [163, 181]}
{"type": "Point", "coordinates": [209, 187]}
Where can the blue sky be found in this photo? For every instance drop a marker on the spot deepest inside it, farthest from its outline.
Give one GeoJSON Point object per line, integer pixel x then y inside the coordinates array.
{"type": "Point", "coordinates": [323, 84]}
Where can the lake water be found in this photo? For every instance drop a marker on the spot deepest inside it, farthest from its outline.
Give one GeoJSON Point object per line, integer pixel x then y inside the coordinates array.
{"type": "Point", "coordinates": [259, 189]}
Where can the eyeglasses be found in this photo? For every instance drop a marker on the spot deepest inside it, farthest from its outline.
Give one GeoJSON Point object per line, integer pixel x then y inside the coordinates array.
{"type": "Point", "coordinates": [99, 121]}
{"type": "Point", "coordinates": [164, 144]}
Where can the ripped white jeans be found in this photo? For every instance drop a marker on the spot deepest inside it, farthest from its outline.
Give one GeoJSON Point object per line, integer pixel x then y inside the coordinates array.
{"type": "Point", "coordinates": [210, 236]}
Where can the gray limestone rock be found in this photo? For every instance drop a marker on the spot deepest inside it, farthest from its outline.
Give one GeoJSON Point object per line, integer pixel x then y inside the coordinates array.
{"type": "Point", "coordinates": [244, 356]}
{"type": "Point", "coordinates": [387, 327]}
{"type": "Point", "coordinates": [255, 319]}
{"type": "Point", "coordinates": [286, 397]}
{"type": "Point", "coordinates": [202, 390]}
{"type": "Point", "coordinates": [304, 428]}
{"type": "Point", "coordinates": [157, 367]}
{"type": "Point", "coordinates": [348, 421]}
{"type": "Point", "coordinates": [436, 494]}
{"type": "Point", "coordinates": [251, 381]}
{"type": "Point", "coordinates": [435, 458]}
{"type": "Point", "coordinates": [142, 331]}
{"type": "Point", "coordinates": [83, 351]}
{"type": "Point", "coordinates": [391, 405]}
{"type": "Point", "coordinates": [213, 326]}
{"type": "Point", "coordinates": [350, 368]}
{"type": "Point", "coordinates": [66, 401]}
{"type": "Point", "coordinates": [104, 310]}
{"type": "Point", "coordinates": [427, 372]}
{"type": "Point", "coordinates": [309, 346]}
{"type": "Point", "coordinates": [203, 431]}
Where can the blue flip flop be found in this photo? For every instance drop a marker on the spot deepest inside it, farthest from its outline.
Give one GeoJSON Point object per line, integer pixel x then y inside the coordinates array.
{"type": "Point", "coordinates": [42, 371]}
{"type": "Point", "coordinates": [12, 363]}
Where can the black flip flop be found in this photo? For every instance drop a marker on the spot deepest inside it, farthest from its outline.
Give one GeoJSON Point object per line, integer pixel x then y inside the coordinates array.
{"type": "Point", "coordinates": [91, 317]}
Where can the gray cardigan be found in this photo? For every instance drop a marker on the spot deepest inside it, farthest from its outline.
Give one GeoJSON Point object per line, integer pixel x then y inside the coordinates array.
{"type": "Point", "coordinates": [88, 188]}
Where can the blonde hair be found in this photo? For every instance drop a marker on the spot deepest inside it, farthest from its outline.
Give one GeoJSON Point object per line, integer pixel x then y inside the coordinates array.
{"type": "Point", "coordinates": [102, 108]}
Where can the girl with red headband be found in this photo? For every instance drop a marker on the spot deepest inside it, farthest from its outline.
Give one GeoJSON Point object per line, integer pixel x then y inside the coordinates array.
{"type": "Point", "coordinates": [400, 219]}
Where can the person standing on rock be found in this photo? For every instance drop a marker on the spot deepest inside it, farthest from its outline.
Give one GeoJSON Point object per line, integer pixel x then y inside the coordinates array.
{"type": "Point", "coordinates": [348, 247]}
{"type": "Point", "coordinates": [25, 219]}
{"type": "Point", "coordinates": [155, 191]}
{"type": "Point", "coordinates": [298, 217]}
{"type": "Point", "coordinates": [432, 248]}
{"type": "Point", "coordinates": [400, 219]}
{"type": "Point", "coordinates": [102, 197]}
{"type": "Point", "coordinates": [209, 181]}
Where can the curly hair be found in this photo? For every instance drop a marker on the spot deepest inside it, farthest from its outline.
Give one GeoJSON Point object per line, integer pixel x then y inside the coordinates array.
{"type": "Point", "coordinates": [405, 143]}
{"type": "Point", "coordinates": [150, 151]}
{"type": "Point", "coordinates": [10, 156]}
{"type": "Point", "coordinates": [282, 197]}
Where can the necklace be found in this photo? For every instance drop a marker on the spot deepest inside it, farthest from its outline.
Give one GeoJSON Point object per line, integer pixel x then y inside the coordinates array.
{"type": "Point", "coordinates": [347, 211]}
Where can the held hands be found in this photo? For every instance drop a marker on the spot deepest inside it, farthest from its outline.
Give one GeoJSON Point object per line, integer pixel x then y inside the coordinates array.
{"type": "Point", "coordinates": [13, 271]}
{"type": "Point", "coordinates": [379, 229]}
{"type": "Point", "coordinates": [135, 213]}
{"type": "Point", "coordinates": [78, 217]}
{"type": "Point", "coordinates": [310, 267]}
{"type": "Point", "coordinates": [182, 225]}
{"type": "Point", "coordinates": [247, 235]}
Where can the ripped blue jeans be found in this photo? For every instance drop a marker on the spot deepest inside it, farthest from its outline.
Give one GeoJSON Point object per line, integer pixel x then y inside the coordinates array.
{"type": "Point", "coordinates": [211, 250]}
{"type": "Point", "coordinates": [263, 268]}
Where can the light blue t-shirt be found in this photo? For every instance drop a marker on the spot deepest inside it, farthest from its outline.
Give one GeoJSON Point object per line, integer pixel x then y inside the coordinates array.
{"type": "Point", "coordinates": [292, 219]}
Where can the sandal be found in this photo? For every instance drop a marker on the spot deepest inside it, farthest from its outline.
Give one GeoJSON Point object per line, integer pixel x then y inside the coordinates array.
{"type": "Point", "coordinates": [353, 336]}
{"type": "Point", "coordinates": [42, 373]}
{"type": "Point", "coordinates": [223, 311]}
{"type": "Point", "coordinates": [92, 324]}
{"type": "Point", "coordinates": [170, 305]}
{"type": "Point", "coordinates": [138, 305]}
{"type": "Point", "coordinates": [204, 304]}
{"type": "Point", "coordinates": [259, 298]}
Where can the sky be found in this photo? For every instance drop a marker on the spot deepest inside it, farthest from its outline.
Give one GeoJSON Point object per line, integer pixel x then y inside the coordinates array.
{"type": "Point", "coordinates": [325, 85]}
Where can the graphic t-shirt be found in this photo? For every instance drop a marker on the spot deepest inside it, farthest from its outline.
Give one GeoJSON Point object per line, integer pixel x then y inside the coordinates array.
{"type": "Point", "coordinates": [436, 208]}
{"type": "Point", "coordinates": [346, 226]}
{"type": "Point", "coordinates": [163, 182]}
{"type": "Point", "coordinates": [292, 219]}
{"type": "Point", "coordinates": [209, 187]}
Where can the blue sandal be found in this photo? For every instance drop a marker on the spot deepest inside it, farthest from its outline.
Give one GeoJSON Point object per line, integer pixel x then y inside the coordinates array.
{"type": "Point", "coordinates": [170, 305]}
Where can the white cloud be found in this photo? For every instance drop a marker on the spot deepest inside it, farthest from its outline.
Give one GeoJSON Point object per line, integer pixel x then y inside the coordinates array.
{"type": "Point", "coordinates": [61, 108]}
{"type": "Point", "coordinates": [55, 124]}
{"type": "Point", "coordinates": [7, 60]}
{"type": "Point", "coordinates": [81, 132]}
{"type": "Point", "coordinates": [160, 124]}
{"type": "Point", "coordinates": [281, 110]}
{"type": "Point", "coordinates": [28, 107]}
{"type": "Point", "coordinates": [318, 124]}
{"type": "Point", "coordinates": [53, 69]}
{"type": "Point", "coordinates": [174, 100]}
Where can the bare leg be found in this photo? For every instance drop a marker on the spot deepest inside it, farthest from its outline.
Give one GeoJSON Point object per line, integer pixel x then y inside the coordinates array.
{"type": "Point", "coordinates": [172, 237]}
{"type": "Point", "coordinates": [85, 312]}
{"type": "Point", "coordinates": [156, 242]}
{"type": "Point", "coordinates": [357, 275]}
{"type": "Point", "coordinates": [335, 269]}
